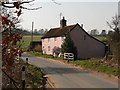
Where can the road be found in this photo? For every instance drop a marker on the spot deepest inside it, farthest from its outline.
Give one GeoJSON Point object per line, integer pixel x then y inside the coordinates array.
{"type": "Point", "coordinates": [68, 77]}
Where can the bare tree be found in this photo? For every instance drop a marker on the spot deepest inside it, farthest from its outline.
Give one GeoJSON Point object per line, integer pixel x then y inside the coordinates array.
{"type": "Point", "coordinates": [115, 37]}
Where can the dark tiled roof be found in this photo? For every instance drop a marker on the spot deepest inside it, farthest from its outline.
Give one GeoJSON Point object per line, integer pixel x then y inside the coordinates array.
{"type": "Point", "coordinates": [55, 32]}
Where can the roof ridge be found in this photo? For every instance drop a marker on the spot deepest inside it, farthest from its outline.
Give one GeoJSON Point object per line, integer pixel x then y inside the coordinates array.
{"type": "Point", "coordinates": [55, 32]}
{"type": "Point", "coordinates": [65, 26]}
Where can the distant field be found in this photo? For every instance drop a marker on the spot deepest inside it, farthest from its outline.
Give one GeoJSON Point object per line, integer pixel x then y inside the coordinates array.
{"type": "Point", "coordinates": [27, 40]}
{"type": "Point", "coordinates": [101, 38]}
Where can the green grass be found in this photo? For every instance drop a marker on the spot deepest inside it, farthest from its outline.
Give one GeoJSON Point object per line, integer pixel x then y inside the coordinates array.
{"type": "Point", "coordinates": [96, 66]}
{"type": "Point", "coordinates": [27, 40]}
{"type": "Point", "coordinates": [45, 55]}
{"type": "Point", "coordinates": [103, 39]}
{"type": "Point", "coordinates": [34, 75]}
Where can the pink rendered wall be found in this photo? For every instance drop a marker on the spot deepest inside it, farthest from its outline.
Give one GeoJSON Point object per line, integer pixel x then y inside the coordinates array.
{"type": "Point", "coordinates": [52, 44]}
{"type": "Point", "coordinates": [86, 48]}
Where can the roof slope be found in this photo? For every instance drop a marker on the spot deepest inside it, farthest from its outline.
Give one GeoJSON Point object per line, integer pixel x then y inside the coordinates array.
{"type": "Point", "coordinates": [55, 32]}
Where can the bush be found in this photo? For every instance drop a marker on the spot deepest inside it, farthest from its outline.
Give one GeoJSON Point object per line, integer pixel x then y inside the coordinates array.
{"type": "Point", "coordinates": [56, 51]}
{"type": "Point", "coordinates": [38, 48]}
{"type": "Point", "coordinates": [116, 52]}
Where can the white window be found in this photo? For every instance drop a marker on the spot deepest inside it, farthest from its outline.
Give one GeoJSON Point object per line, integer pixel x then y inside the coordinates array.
{"type": "Point", "coordinates": [48, 48]}
{"type": "Point", "coordinates": [55, 39]}
{"type": "Point", "coordinates": [43, 47]}
{"type": "Point", "coordinates": [84, 37]}
{"type": "Point", "coordinates": [48, 39]}
{"type": "Point", "coordinates": [62, 39]}
{"type": "Point", "coordinates": [55, 47]}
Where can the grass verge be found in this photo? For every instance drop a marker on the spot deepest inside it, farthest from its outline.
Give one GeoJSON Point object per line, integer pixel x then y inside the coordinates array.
{"type": "Point", "coordinates": [45, 55]}
{"type": "Point", "coordinates": [34, 76]}
{"type": "Point", "coordinates": [92, 65]}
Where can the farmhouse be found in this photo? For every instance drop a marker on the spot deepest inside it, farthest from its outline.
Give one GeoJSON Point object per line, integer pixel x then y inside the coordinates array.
{"type": "Point", "coordinates": [87, 46]}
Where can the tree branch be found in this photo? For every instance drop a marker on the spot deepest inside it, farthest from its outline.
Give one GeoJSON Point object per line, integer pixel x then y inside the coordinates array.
{"type": "Point", "coordinates": [56, 2]}
{"type": "Point", "coordinates": [31, 8]}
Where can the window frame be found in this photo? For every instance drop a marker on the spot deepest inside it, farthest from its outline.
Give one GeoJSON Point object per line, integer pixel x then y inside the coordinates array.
{"type": "Point", "coordinates": [85, 37]}
{"type": "Point", "coordinates": [48, 48]}
{"type": "Point", "coordinates": [43, 47]}
{"type": "Point", "coordinates": [48, 39]}
{"type": "Point", "coordinates": [62, 38]}
{"type": "Point", "coordinates": [55, 39]}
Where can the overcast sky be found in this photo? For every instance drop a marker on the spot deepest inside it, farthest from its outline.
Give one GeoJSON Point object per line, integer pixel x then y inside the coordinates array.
{"type": "Point", "coordinates": [92, 14]}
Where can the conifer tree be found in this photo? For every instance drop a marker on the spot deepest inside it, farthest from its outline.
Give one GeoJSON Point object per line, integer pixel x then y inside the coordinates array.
{"type": "Point", "coordinates": [68, 46]}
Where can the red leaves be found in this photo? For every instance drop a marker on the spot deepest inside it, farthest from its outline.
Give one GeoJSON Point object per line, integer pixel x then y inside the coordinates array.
{"type": "Point", "coordinates": [20, 53]}
{"type": "Point", "coordinates": [9, 51]}
{"type": "Point", "coordinates": [6, 21]}
{"type": "Point", "coordinates": [10, 40]}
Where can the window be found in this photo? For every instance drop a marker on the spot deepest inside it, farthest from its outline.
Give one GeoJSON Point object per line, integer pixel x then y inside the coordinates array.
{"type": "Point", "coordinates": [48, 48]}
{"type": "Point", "coordinates": [43, 47]}
{"type": "Point", "coordinates": [62, 39]}
{"type": "Point", "coordinates": [55, 47]}
{"type": "Point", "coordinates": [48, 39]}
{"type": "Point", "coordinates": [84, 37]}
{"type": "Point", "coordinates": [55, 39]}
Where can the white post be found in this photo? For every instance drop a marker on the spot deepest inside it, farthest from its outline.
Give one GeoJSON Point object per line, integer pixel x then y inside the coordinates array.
{"type": "Point", "coordinates": [23, 77]}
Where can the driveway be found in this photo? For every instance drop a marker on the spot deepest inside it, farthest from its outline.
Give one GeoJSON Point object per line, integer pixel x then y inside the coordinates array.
{"type": "Point", "coordinates": [68, 77]}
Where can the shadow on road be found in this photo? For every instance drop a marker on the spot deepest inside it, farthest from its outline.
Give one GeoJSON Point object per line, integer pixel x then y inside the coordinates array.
{"type": "Point", "coordinates": [55, 70]}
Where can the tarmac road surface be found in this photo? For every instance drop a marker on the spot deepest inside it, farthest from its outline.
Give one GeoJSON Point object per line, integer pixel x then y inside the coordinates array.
{"type": "Point", "coordinates": [68, 77]}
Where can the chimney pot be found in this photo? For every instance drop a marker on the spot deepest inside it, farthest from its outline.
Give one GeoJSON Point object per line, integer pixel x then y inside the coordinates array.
{"type": "Point", "coordinates": [63, 22]}
{"type": "Point", "coordinates": [82, 25]}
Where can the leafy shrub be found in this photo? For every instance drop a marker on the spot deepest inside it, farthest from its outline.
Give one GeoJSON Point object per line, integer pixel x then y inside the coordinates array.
{"type": "Point", "coordinates": [38, 48]}
{"type": "Point", "coordinates": [56, 51]}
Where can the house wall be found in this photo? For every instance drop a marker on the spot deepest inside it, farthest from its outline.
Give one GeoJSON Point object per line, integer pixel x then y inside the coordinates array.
{"type": "Point", "coordinates": [52, 44]}
{"type": "Point", "coordinates": [87, 47]}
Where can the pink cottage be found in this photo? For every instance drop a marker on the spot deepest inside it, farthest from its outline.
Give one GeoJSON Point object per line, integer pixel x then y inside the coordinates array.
{"type": "Point", "coordinates": [87, 46]}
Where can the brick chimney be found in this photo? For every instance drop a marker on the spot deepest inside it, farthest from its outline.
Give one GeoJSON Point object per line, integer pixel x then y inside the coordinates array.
{"type": "Point", "coordinates": [63, 22]}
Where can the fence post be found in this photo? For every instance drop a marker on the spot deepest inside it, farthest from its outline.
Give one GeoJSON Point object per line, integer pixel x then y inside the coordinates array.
{"type": "Point", "coordinates": [68, 60]}
{"type": "Point", "coordinates": [23, 77]}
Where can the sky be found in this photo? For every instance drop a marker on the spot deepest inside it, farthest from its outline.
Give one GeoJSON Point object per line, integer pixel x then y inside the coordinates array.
{"type": "Point", "coordinates": [93, 15]}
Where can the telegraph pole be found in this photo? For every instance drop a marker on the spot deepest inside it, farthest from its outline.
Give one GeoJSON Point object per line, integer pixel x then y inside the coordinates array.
{"type": "Point", "coordinates": [32, 31]}
{"type": "Point", "coordinates": [60, 15]}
